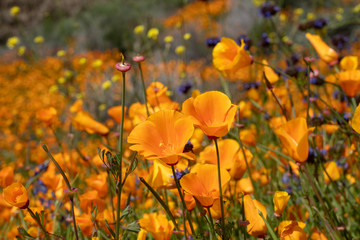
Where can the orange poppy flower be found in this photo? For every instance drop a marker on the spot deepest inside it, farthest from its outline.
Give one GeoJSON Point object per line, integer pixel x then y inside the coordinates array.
{"type": "Point", "coordinates": [294, 137]}
{"type": "Point", "coordinates": [349, 63]}
{"type": "Point", "coordinates": [85, 223]}
{"type": "Point", "coordinates": [229, 57]}
{"type": "Point", "coordinates": [227, 149]}
{"type": "Point", "coordinates": [238, 168]}
{"type": "Point", "coordinates": [16, 195]}
{"type": "Point", "coordinates": [157, 225]}
{"type": "Point", "coordinates": [84, 122]}
{"type": "Point", "coordinates": [326, 53]}
{"type": "Point", "coordinates": [161, 175]}
{"type": "Point", "coordinates": [270, 74]}
{"type": "Point", "coordinates": [156, 93]}
{"type": "Point", "coordinates": [256, 227]}
{"type": "Point", "coordinates": [355, 121]}
{"type": "Point", "coordinates": [163, 135]}
{"type": "Point", "coordinates": [212, 112]}
{"type": "Point", "coordinates": [292, 230]}
{"type": "Point", "coordinates": [91, 199]}
{"type": "Point", "coordinates": [46, 115]}
{"type": "Point", "coordinates": [99, 183]}
{"type": "Point", "coordinates": [349, 81]}
{"type": "Point", "coordinates": [280, 200]}
{"type": "Point", "coordinates": [202, 183]}
{"type": "Point", "coordinates": [115, 113]}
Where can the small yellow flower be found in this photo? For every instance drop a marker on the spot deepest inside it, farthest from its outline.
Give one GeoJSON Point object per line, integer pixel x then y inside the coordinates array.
{"type": "Point", "coordinates": [21, 50]}
{"type": "Point", "coordinates": [180, 49]}
{"type": "Point", "coordinates": [12, 42]}
{"type": "Point", "coordinates": [97, 63]}
{"type": "Point", "coordinates": [115, 78]}
{"type": "Point", "coordinates": [106, 85]}
{"type": "Point", "coordinates": [169, 39]}
{"type": "Point", "coordinates": [14, 11]}
{"type": "Point", "coordinates": [79, 96]}
{"type": "Point", "coordinates": [338, 16]}
{"type": "Point", "coordinates": [53, 88]}
{"type": "Point", "coordinates": [187, 36]}
{"type": "Point", "coordinates": [153, 33]}
{"type": "Point", "coordinates": [340, 10]}
{"type": "Point", "coordinates": [68, 74]}
{"type": "Point", "coordinates": [310, 16]}
{"type": "Point", "coordinates": [60, 53]}
{"type": "Point", "coordinates": [82, 61]}
{"type": "Point", "coordinates": [38, 39]}
{"type": "Point", "coordinates": [139, 29]}
{"type": "Point", "coordinates": [102, 107]}
{"type": "Point", "coordinates": [61, 80]}
{"type": "Point", "coordinates": [356, 9]}
{"type": "Point", "coordinates": [283, 17]}
{"type": "Point", "coordinates": [298, 11]}
{"type": "Point", "coordinates": [258, 3]}
{"type": "Point", "coordinates": [285, 39]}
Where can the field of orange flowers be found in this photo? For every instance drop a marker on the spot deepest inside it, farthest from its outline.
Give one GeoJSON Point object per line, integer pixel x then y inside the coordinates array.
{"type": "Point", "coordinates": [223, 138]}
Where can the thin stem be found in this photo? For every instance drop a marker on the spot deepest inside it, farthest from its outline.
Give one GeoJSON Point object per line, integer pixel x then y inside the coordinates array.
{"type": "Point", "coordinates": [220, 190]}
{"type": "Point", "coordinates": [120, 147]}
{"type": "Point", "coordinates": [73, 215]}
{"type": "Point", "coordinates": [211, 223]}
{"type": "Point", "coordinates": [270, 229]}
{"type": "Point", "coordinates": [70, 189]}
{"type": "Point", "coordinates": [308, 95]}
{"type": "Point", "coordinates": [247, 166]}
{"type": "Point", "coordinates": [182, 201]}
{"type": "Point", "coordinates": [38, 223]}
{"type": "Point", "coordinates": [144, 89]}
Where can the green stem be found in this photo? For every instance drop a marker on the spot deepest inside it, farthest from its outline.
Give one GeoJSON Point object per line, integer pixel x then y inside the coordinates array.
{"type": "Point", "coordinates": [144, 89]}
{"type": "Point", "coordinates": [119, 158]}
{"type": "Point", "coordinates": [270, 229]}
{"type": "Point", "coordinates": [225, 86]}
{"type": "Point", "coordinates": [211, 223]}
{"type": "Point", "coordinates": [220, 190]}
{"type": "Point", "coordinates": [247, 166]}
{"type": "Point", "coordinates": [37, 220]}
{"type": "Point", "coordinates": [183, 202]}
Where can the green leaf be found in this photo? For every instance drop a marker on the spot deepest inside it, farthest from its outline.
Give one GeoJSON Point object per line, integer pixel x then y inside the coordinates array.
{"type": "Point", "coordinates": [132, 227]}
{"type": "Point", "coordinates": [127, 211]}
{"type": "Point", "coordinates": [24, 233]}
{"type": "Point", "coordinates": [109, 228]}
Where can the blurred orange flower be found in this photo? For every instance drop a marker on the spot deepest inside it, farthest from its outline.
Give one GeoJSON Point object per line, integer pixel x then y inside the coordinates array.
{"type": "Point", "coordinates": [16, 195]}
{"type": "Point", "coordinates": [6, 176]}
{"type": "Point", "coordinates": [202, 183]}
{"type": "Point", "coordinates": [46, 115]}
{"type": "Point", "coordinates": [83, 121]}
{"type": "Point", "coordinates": [115, 113]}
{"type": "Point", "coordinates": [294, 137]}
{"type": "Point", "coordinates": [163, 135]}
{"type": "Point", "coordinates": [333, 172]}
{"type": "Point", "coordinates": [99, 183]}
{"type": "Point", "coordinates": [326, 53]}
{"type": "Point", "coordinates": [157, 225]}
{"type": "Point", "coordinates": [229, 57]}
{"type": "Point", "coordinates": [212, 112]}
